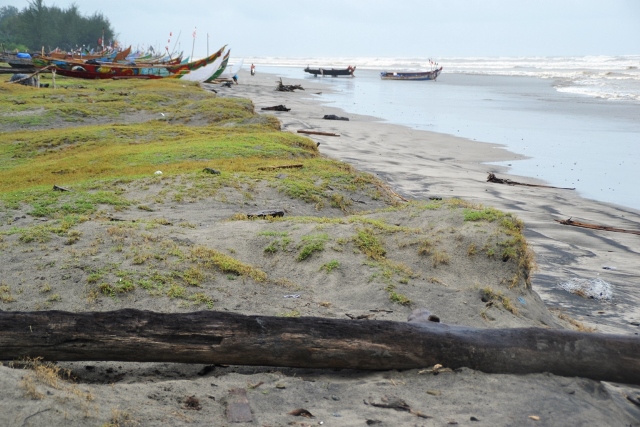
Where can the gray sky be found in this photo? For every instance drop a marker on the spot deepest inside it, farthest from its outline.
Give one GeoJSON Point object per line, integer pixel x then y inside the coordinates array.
{"type": "Point", "coordinates": [376, 28]}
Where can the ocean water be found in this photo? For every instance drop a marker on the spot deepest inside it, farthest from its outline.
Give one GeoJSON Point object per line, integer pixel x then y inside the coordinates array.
{"type": "Point", "coordinates": [572, 121]}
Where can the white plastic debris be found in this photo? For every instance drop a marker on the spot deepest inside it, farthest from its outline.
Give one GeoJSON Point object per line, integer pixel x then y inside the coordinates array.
{"type": "Point", "coordinates": [589, 288]}
{"type": "Point", "coordinates": [158, 173]}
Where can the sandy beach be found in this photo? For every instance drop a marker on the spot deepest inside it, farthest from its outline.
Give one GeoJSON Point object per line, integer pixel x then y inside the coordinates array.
{"type": "Point", "coordinates": [166, 228]}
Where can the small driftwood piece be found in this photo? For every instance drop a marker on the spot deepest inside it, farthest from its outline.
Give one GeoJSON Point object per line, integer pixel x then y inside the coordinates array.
{"type": "Point", "coordinates": [287, 88]}
{"type": "Point", "coordinates": [393, 402]}
{"type": "Point", "coordinates": [211, 171]}
{"type": "Point", "coordinates": [268, 168]}
{"type": "Point", "coordinates": [58, 188]}
{"type": "Point", "coordinates": [596, 226]}
{"type": "Point", "coordinates": [210, 337]}
{"type": "Point", "coordinates": [276, 108]}
{"type": "Point", "coordinates": [266, 213]}
{"type": "Point", "coordinates": [496, 180]}
{"type": "Point", "coordinates": [334, 117]}
{"type": "Point", "coordinates": [238, 409]}
{"type": "Point", "coordinates": [311, 132]}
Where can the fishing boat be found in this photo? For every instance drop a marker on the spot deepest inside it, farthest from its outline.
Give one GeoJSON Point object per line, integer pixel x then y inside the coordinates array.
{"type": "Point", "coordinates": [204, 73]}
{"type": "Point", "coordinates": [231, 70]}
{"type": "Point", "coordinates": [411, 75]}
{"type": "Point", "coordinates": [333, 72]}
{"type": "Point", "coordinates": [17, 60]}
{"type": "Point", "coordinates": [223, 66]}
{"type": "Point", "coordinates": [96, 70]}
{"type": "Point", "coordinates": [110, 56]}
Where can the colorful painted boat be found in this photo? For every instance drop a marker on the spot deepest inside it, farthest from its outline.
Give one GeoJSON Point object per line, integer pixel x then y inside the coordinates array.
{"type": "Point", "coordinates": [333, 72]}
{"type": "Point", "coordinates": [410, 75]}
{"type": "Point", "coordinates": [96, 70]}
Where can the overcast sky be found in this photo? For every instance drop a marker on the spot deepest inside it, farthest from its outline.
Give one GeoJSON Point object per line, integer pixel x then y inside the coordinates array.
{"type": "Point", "coordinates": [375, 28]}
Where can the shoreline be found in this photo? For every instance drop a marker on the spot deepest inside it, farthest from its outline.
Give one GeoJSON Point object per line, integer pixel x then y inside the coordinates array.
{"type": "Point", "coordinates": [420, 164]}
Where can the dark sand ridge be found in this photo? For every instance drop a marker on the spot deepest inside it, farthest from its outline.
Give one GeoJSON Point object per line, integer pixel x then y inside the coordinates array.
{"type": "Point", "coordinates": [420, 164]}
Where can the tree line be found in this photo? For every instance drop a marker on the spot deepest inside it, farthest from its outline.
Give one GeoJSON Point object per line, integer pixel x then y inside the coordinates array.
{"type": "Point", "coordinates": [38, 26]}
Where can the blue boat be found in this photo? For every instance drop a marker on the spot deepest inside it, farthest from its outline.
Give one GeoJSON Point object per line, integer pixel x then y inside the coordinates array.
{"type": "Point", "coordinates": [410, 75]}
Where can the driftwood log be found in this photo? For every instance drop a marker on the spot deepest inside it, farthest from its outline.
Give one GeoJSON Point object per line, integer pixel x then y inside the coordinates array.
{"type": "Point", "coordinates": [266, 213]}
{"type": "Point", "coordinates": [294, 166]}
{"type": "Point", "coordinates": [596, 226]}
{"type": "Point", "coordinates": [334, 117]}
{"type": "Point", "coordinates": [312, 132]}
{"type": "Point", "coordinates": [277, 108]}
{"type": "Point", "coordinates": [496, 180]}
{"type": "Point", "coordinates": [287, 88]}
{"type": "Point", "coordinates": [310, 342]}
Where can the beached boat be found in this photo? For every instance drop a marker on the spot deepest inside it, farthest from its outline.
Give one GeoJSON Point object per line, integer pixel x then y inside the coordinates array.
{"type": "Point", "coordinates": [204, 73]}
{"type": "Point", "coordinates": [95, 70]}
{"type": "Point", "coordinates": [333, 72]}
{"type": "Point", "coordinates": [232, 70]}
{"type": "Point", "coordinates": [17, 60]}
{"type": "Point", "coordinates": [411, 75]}
{"type": "Point", "coordinates": [223, 66]}
{"type": "Point", "coordinates": [106, 56]}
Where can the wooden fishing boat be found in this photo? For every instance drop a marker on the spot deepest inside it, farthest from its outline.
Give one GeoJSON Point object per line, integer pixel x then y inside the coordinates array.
{"type": "Point", "coordinates": [410, 75]}
{"type": "Point", "coordinates": [204, 73]}
{"type": "Point", "coordinates": [96, 70]}
{"type": "Point", "coordinates": [231, 70]}
{"type": "Point", "coordinates": [113, 56]}
{"type": "Point", "coordinates": [333, 72]}
{"type": "Point", "coordinates": [221, 68]}
{"type": "Point", "coordinates": [17, 60]}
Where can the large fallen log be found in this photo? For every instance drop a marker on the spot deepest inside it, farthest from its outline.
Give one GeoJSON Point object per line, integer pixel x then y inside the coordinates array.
{"type": "Point", "coordinates": [310, 342]}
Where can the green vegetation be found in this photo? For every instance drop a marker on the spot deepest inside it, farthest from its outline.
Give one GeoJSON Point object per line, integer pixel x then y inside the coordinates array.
{"type": "Point", "coordinates": [311, 244]}
{"type": "Point", "coordinates": [330, 266]}
{"type": "Point", "coordinates": [210, 258]}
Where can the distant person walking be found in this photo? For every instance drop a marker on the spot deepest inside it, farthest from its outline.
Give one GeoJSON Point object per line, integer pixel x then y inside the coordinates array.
{"type": "Point", "coordinates": [253, 70]}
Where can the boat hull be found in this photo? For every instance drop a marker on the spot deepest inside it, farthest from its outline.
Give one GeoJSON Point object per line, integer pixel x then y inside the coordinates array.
{"type": "Point", "coordinates": [333, 72]}
{"type": "Point", "coordinates": [400, 75]}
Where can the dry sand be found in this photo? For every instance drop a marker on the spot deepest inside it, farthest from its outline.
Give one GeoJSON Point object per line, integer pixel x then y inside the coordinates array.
{"type": "Point", "coordinates": [137, 394]}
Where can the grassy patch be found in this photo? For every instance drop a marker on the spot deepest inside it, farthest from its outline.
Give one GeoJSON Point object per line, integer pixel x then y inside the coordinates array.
{"type": "Point", "coordinates": [210, 258]}
{"type": "Point", "coordinates": [496, 298]}
{"type": "Point", "coordinates": [330, 266]}
{"type": "Point", "coordinates": [369, 244]}
{"type": "Point", "coordinates": [311, 244]}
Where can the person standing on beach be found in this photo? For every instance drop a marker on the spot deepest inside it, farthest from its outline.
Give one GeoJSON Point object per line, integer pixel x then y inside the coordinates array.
{"type": "Point", "coordinates": [253, 70]}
